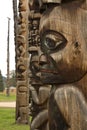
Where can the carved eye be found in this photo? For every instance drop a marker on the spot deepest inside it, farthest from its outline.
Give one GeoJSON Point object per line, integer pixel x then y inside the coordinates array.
{"type": "Point", "coordinates": [53, 40]}
{"type": "Point", "coordinates": [52, 44]}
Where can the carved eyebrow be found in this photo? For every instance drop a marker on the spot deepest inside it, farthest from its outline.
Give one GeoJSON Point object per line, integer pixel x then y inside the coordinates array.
{"type": "Point", "coordinates": [53, 35]}
{"type": "Point", "coordinates": [67, 29]}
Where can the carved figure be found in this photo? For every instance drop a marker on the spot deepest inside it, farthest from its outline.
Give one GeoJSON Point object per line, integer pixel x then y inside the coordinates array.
{"type": "Point", "coordinates": [63, 38]}
{"type": "Point", "coordinates": [39, 93]}
{"type": "Point", "coordinates": [40, 102]}
{"type": "Point", "coordinates": [62, 63]}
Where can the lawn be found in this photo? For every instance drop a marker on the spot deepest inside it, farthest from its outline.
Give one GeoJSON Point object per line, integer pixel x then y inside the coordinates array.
{"type": "Point", "coordinates": [4, 98]}
{"type": "Point", "coordinates": [7, 120]}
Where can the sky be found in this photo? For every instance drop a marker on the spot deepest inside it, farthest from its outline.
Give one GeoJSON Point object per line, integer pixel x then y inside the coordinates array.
{"type": "Point", "coordinates": [6, 10]}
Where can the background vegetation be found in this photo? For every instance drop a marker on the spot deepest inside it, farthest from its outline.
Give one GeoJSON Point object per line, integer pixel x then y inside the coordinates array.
{"type": "Point", "coordinates": [1, 82]}
{"type": "Point", "coordinates": [4, 98]}
{"type": "Point", "coordinates": [7, 115]}
{"type": "Point", "coordinates": [7, 120]}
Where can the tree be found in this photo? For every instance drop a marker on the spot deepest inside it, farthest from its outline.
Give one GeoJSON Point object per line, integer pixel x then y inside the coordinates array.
{"type": "Point", "coordinates": [12, 78]}
{"type": "Point", "coordinates": [1, 82]}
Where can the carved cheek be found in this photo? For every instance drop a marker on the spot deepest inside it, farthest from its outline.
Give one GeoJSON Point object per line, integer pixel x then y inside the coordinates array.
{"type": "Point", "coordinates": [62, 57]}
{"type": "Point", "coordinates": [57, 57]}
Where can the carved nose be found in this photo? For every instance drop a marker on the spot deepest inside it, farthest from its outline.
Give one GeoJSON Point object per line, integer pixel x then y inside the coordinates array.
{"type": "Point", "coordinates": [43, 60]}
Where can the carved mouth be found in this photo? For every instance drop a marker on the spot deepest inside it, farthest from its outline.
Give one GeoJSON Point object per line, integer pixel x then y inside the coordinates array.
{"type": "Point", "coordinates": [51, 78]}
{"type": "Point", "coordinates": [48, 71]}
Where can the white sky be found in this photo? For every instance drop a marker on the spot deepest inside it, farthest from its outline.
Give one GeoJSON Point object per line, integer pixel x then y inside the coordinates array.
{"type": "Point", "coordinates": [6, 10]}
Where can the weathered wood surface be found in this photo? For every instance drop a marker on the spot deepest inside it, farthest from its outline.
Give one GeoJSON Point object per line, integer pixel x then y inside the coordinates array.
{"type": "Point", "coordinates": [22, 64]}
{"type": "Point", "coordinates": [41, 2]}
{"type": "Point", "coordinates": [62, 64]}
{"type": "Point", "coordinates": [39, 93]}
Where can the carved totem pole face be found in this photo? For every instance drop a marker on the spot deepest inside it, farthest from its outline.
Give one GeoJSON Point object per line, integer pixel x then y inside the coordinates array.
{"type": "Point", "coordinates": [63, 44]}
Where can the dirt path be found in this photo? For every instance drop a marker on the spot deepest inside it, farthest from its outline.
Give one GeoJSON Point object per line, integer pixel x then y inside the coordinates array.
{"type": "Point", "coordinates": [8, 104]}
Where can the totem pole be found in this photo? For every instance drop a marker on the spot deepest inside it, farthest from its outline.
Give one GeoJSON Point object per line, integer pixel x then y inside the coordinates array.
{"type": "Point", "coordinates": [39, 92]}
{"type": "Point", "coordinates": [22, 64]}
{"type": "Point", "coordinates": [60, 63]}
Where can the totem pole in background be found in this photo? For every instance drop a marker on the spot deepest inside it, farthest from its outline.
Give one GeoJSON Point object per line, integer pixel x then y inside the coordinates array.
{"type": "Point", "coordinates": [58, 61]}
{"type": "Point", "coordinates": [22, 64]}
{"type": "Point", "coordinates": [39, 92]}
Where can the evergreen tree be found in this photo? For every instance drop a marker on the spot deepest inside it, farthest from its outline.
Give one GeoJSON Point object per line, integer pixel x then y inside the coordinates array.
{"type": "Point", "coordinates": [12, 78]}
{"type": "Point", "coordinates": [1, 82]}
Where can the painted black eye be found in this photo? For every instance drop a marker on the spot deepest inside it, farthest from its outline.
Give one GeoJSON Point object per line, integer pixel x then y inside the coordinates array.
{"type": "Point", "coordinates": [52, 40]}
{"type": "Point", "coordinates": [50, 44]}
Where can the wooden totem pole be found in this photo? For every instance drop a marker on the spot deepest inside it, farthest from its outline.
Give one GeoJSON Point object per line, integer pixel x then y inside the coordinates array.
{"type": "Point", "coordinates": [58, 64]}
{"type": "Point", "coordinates": [39, 92]}
{"type": "Point", "coordinates": [22, 63]}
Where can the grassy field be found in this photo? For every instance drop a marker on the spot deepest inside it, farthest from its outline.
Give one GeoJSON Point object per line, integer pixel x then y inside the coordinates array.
{"type": "Point", "coordinates": [7, 115]}
{"type": "Point", "coordinates": [3, 97]}
{"type": "Point", "coordinates": [7, 120]}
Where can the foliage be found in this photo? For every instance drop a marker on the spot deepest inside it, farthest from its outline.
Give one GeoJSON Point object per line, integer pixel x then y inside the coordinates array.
{"type": "Point", "coordinates": [4, 98]}
{"type": "Point", "coordinates": [1, 82]}
{"type": "Point", "coordinates": [4, 81]}
{"type": "Point", "coordinates": [7, 120]}
{"type": "Point", "coordinates": [12, 78]}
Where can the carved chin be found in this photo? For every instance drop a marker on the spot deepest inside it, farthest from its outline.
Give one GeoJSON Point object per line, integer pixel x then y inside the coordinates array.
{"type": "Point", "coordinates": [50, 78]}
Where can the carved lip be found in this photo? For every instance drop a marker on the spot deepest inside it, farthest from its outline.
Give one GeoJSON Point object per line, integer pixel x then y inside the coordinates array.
{"type": "Point", "coordinates": [48, 71]}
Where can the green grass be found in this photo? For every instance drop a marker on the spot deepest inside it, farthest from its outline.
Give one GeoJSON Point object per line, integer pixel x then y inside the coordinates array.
{"type": "Point", "coordinates": [4, 98]}
{"type": "Point", "coordinates": [7, 120]}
